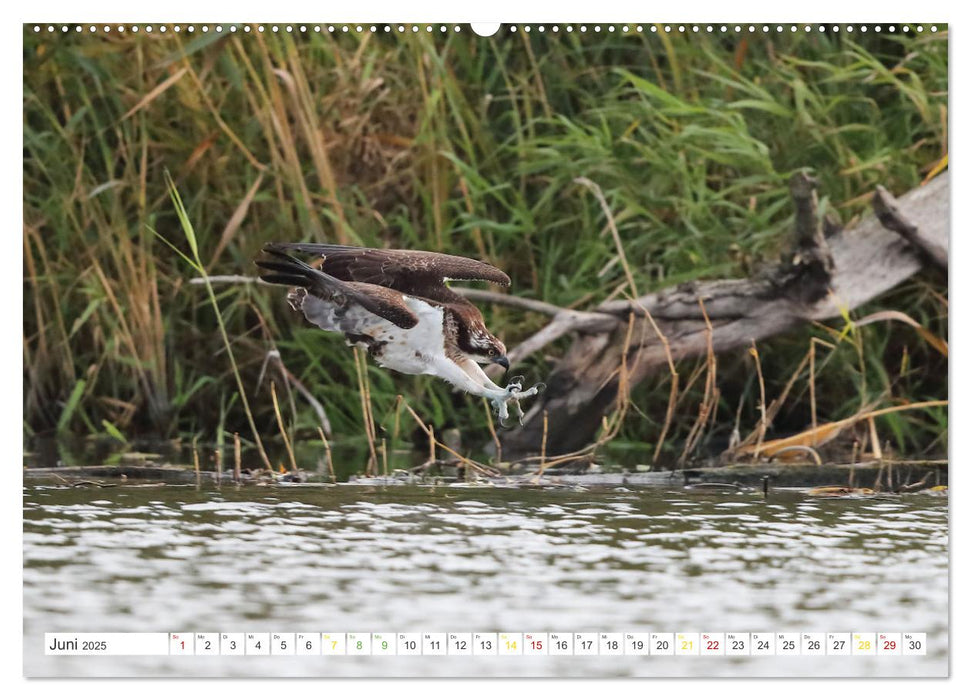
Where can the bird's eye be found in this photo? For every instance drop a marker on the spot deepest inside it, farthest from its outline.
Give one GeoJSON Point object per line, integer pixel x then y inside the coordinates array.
{"type": "Point", "coordinates": [492, 352]}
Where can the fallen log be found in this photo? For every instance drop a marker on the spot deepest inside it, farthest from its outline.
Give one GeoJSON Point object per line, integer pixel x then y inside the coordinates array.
{"type": "Point", "coordinates": [820, 278]}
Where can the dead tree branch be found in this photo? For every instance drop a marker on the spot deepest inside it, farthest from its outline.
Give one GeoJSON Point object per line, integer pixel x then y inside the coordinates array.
{"type": "Point", "coordinates": [817, 280]}
{"type": "Point", "coordinates": [888, 212]}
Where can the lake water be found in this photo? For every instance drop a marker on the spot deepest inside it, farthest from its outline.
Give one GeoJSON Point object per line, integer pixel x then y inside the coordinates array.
{"type": "Point", "coordinates": [472, 558]}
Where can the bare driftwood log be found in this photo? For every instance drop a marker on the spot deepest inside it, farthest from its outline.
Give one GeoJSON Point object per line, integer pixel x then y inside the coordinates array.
{"type": "Point", "coordinates": [815, 281]}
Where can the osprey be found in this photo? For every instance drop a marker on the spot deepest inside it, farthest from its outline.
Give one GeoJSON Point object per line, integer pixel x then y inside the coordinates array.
{"type": "Point", "coordinates": [397, 306]}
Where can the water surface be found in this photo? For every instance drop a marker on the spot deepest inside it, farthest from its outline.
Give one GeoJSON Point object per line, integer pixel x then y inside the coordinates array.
{"type": "Point", "coordinates": [456, 559]}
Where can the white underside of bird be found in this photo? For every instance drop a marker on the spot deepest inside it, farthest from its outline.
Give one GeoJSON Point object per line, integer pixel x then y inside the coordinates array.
{"type": "Point", "coordinates": [417, 350]}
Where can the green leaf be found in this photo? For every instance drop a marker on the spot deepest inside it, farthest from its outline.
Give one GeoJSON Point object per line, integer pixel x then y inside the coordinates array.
{"type": "Point", "coordinates": [71, 406]}
{"type": "Point", "coordinates": [113, 431]}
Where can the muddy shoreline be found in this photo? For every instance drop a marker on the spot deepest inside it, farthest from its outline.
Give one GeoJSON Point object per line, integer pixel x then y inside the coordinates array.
{"type": "Point", "coordinates": [875, 476]}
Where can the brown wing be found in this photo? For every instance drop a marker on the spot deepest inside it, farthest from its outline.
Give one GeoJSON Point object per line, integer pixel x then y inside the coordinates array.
{"type": "Point", "coordinates": [410, 271]}
{"type": "Point", "coordinates": [387, 303]}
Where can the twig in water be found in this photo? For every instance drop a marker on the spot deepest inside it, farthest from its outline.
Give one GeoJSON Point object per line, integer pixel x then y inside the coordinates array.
{"type": "Point", "coordinates": [542, 454]}
{"type": "Point", "coordinates": [433, 443]}
{"type": "Point", "coordinates": [812, 386]}
{"type": "Point", "coordinates": [360, 366]}
{"type": "Point", "coordinates": [283, 430]}
{"type": "Point", "coordinates": [195, 461]}
{"type": "Point", "coordinates": [384, 454]}
{"type": "Point", "coordinates": [874, 440]}
{"type": "Point", "coordinates": [762, 422]}
{"type": "Point", "coordinates": [327, 452]}
{"type": "Point", "coordinates": [291, 379]}
{"type": "Point", "coordinates": [237, 467]}
{"type": "Point", "coordinates": [492, 432]}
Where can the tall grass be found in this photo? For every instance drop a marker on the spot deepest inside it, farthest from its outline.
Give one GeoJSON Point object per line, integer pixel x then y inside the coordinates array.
{"type": "Point", "coordinates": [457, 143]}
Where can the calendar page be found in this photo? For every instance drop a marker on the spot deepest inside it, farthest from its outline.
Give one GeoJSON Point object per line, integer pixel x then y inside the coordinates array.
{"type": "Point", "coordinates": [447, 349]}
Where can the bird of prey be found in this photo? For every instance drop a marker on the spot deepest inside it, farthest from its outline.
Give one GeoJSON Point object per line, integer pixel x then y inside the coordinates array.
{"type": "Point", "coordinates": [396, 304]}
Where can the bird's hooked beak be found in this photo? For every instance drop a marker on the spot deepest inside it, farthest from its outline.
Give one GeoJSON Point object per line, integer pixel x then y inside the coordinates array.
{"type": "Point", "coordinates": [502, 361]}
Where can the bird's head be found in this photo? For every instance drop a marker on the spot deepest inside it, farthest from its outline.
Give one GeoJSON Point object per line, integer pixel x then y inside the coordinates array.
{"type": "Point", "coordinates": [483, 347]}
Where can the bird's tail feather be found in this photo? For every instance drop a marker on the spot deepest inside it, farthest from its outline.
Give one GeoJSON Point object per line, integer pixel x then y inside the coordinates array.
{"type": "Point", "coordinates": [292, 272]}
{"type": "Point", "coordinates": [288, 270]}
{"type": "Point", "coordinates": [287, 280]}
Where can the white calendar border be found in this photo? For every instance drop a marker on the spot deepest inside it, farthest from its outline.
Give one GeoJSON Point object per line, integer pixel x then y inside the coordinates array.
{"type": "Point", "coordinates": [701, 10]}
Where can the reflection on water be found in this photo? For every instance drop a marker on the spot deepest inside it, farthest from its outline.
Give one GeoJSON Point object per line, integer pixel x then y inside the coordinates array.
{"type": "Point", "coordinates": [372, 559]}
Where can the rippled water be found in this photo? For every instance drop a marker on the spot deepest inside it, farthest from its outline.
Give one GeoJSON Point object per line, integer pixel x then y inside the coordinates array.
{"type": "Point", "coordinates": [456, 559]}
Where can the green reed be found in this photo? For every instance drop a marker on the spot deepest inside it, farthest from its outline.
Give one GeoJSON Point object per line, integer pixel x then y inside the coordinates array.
{"type": "Point", "coordinates": [456, 143]}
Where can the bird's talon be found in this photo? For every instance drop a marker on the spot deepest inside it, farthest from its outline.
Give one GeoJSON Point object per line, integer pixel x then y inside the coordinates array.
{"type": "Point", "coordinates": [520, 414]}
{"type": "Point", "coordinates": [540, 387]}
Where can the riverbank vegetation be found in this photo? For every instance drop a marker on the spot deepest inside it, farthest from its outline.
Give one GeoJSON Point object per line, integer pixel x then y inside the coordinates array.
{"type": "Point", "coordinates": [468, 145]}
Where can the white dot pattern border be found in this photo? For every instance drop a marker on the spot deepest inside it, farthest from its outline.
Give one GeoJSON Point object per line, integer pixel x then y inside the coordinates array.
{"type": "Point", "coordinates": [436, 29]}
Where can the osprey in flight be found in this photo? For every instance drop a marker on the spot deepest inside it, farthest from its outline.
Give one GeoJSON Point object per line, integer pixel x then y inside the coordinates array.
{"type": "Point", "coordinates": [396, 304]}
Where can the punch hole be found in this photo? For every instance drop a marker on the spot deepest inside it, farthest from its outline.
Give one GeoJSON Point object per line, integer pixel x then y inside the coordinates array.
{"type": "Point", "coordinates": [485, 28]}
